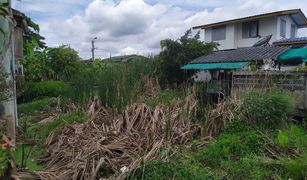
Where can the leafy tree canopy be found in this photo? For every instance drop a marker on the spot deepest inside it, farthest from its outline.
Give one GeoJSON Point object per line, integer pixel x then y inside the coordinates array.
{"type": "Point", "coordinates": [174, 54]}
{"type": "Point", "coordinates": [63, 61]}
{"type": "Point", "coordinates": [33, 37]}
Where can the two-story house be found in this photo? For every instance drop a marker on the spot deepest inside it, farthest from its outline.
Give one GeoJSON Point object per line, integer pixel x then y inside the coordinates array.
{"type": "Point", "coordinates": [244, 32]}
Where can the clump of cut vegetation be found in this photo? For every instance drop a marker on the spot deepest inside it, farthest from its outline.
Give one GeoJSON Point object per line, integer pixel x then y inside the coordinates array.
{"type": "Point", "coordinates": [270, 109]}
{"type": "Point", "coordinates": [160, 127]}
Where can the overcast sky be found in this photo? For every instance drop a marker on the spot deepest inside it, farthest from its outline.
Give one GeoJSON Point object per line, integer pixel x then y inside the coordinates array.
{"type": "Point", "coordinates": [135, 26]}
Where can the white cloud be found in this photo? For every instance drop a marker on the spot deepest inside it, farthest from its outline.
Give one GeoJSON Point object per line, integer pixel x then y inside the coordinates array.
{"type": "Point", "coordinates": [135, 26]}
{"type": "Point", "coordinates": [128, 51]}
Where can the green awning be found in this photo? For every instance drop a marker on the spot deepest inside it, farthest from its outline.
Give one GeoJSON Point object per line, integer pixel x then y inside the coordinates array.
{"type": "Point", "coordinates": [232, 65]}
{"type": "Point", "coordinates": [292, 54]}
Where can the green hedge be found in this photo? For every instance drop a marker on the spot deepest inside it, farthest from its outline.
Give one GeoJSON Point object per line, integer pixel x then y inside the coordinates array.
{"type": "Point", "coordinates": [34, 90]}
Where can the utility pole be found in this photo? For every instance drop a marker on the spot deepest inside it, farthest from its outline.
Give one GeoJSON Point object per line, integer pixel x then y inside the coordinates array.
{"type": "Point", "coordinates": [93, 48]}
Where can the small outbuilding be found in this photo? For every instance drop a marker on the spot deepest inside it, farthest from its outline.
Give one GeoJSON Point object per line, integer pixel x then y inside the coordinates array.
{"type": "Point", "coordinates": [221, 65]}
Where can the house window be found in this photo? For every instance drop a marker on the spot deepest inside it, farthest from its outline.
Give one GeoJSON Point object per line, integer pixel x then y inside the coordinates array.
{"type": "Point", "coordinates": [250, 29]}
{"type": "Point", "coordinates": [219, 33]}
{"type": "Point", "coordinates": [283, 28]}
{"type": "Point", "coordinates": [293, 31]}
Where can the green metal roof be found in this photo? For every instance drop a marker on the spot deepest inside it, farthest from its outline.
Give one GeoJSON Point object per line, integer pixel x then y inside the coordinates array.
{"type": "Point", "coordinates": [230, 65]}
{"type": "Point", "coordinates": [292, 54]}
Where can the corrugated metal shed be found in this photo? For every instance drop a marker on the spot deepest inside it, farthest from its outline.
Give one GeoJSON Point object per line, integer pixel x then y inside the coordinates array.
{"type": "Point", "coordinates": [242, 55]}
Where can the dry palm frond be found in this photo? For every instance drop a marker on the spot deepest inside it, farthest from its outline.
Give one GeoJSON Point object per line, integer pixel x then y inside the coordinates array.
{"type": "Point", "coordinates": [217, 119]}
{"type": "Point", "coordinates": [87, 150]}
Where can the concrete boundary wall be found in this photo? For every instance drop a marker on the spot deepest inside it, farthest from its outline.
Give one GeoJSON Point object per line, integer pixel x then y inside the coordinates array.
{"type": "Point", "coordinates": [293, 81]}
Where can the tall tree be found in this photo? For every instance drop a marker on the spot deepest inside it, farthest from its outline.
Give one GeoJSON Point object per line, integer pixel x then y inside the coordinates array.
{"type": "Point", "coordinates": [63, 61]}
{"type": "Point", "coordinates": [175, 54]}
{"type": "Point", "coordinates": [35, 64]}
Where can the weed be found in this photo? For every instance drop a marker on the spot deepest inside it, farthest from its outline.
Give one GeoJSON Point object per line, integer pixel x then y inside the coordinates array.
{"type": "Point", "coordinates": [296, 168]}
{"type": "Point", "coordinates": [45, 104]}
{"type": "Point", "coordinates": [120, 84]}
{"type": "Point", "coordinates": [70, 118]}
{"type": "Point", "coordinates": [293, 138]}
{"type": "Point", "coordinates": [28, 157]}
{"type": "Point", "coordinates": [270, 109]}
{"type": "Point", "coordinates": [236, 126]}
{"type": "Point", "coordinates": [246, 168]}
{"type": "Point", "coordinates": [184, 168]}
{"type": "Point", "coordinates": [4, 162]}
{"type": "Point", "coordinates": [165, 97]}
{"type": "Point", "coordinates": [237, 140]}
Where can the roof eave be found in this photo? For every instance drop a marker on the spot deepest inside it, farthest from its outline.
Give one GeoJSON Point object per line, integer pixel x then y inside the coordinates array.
{"type": "Point", "coordinates": [290, 43]}
{"type": "Point", "coordinates": [278, 13]}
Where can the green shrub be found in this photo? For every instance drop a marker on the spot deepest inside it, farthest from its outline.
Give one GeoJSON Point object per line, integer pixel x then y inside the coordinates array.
{"type": "Point", "coordinates": [174, 169]}
{"type": "Point", "coordinates": [45, 104]}
{"type": "Point", "coordinates": [238, 140]}
{"type": "Point", "coordinates": [45, 89]}
{"type": "Point", "coordinates": [4, 162]}
{"type": "Point", "coordinates": [270, 109]}
{"type": "Point", "coordinates": [237, 126]}
{"type": "Point", "coordinates": [235, 146]}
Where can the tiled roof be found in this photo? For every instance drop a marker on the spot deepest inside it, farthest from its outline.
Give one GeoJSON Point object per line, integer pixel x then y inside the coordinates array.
{"type": "Point", "coordinates": [298, 39]}
{"type": "Point", "coordinates": [242, 54]}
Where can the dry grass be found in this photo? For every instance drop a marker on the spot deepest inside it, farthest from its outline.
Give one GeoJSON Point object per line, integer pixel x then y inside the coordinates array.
{"type": "Point", "coordinates": [217, 118]}
{"type": "Point", "coordinates": [100, 148]}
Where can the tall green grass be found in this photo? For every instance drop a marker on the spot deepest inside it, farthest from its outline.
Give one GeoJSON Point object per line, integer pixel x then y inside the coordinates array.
{"type": "Point", "coordinates": [116, 84]}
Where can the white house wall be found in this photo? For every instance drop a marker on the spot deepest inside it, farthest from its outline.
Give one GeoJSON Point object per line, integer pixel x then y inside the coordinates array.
{"type": "Point", "coordinates": [267, 26]}
{"type": "Point", "coordinates": [228, 43]}
{"type": "Point", "coordinates": [289, 21]}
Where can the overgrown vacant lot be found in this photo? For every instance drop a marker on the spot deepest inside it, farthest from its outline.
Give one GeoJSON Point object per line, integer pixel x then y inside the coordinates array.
{"type": "Point", "coordinates": [159, 134]}
{"type": "Point", "coordinates": [140, 120]}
